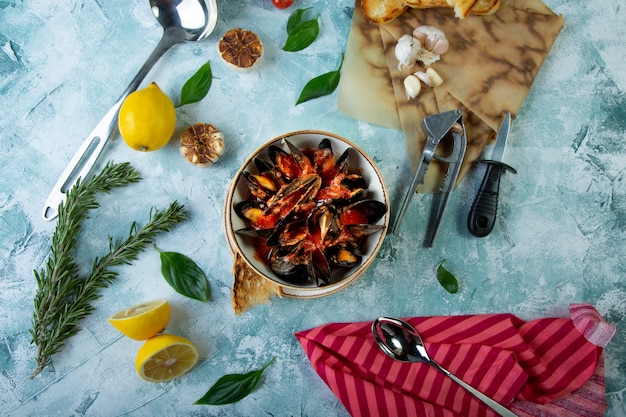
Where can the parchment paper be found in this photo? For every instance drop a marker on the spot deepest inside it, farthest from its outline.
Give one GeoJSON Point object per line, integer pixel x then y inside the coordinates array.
{"type": "Point", "coordinates": [488, 70]}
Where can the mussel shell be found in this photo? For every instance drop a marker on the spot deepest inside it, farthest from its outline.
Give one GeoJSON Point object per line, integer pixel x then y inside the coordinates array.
{"type": "Point", "coordinates": [319, 268]}
{"type": "Point", "coordinates": [325, 144]}
{"type": "Point", "coordinates": [262, 186]}
{"type": "Point", "coordinates": [289, 263]}
{"type": "Point", "coordinates": [359, 230]}
{"type": "Point", "coordinates": [296, 192]}
{"type": "Point", "coordinates": [244, 209]}
{"type": "Point", "coordinates": [343, 162]}
{"type": "Point", "coordinates": [356, 184]}
{"type": "Point", "coordinates": [324, 160]}
{"type": "Point", "coordinates": [288, 234]}
{"type": "Point", "coordinates": [256, 233]}
{"type": "Point", "coordinates": [322, 222]}
{"type": "Point", "coordinates": [283, 162]}
{"type": "Point", "coordinates": [262, 165]}
{"type": "Point", "coordinates": [363, 212]}
{"type": "Point", "coordinates": [294, 149]}
{"type": "Point", "coordinates": [344, 255]}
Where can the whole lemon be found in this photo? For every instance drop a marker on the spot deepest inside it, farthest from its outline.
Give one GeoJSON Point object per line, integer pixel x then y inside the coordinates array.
{"type": "Point", "coordinates": [147, 119]}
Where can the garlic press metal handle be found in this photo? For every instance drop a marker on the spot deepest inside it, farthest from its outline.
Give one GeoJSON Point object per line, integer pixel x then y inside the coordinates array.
{"type": "Point", "coordinates": [454, 161]}
{"type": "Point", "coordinates": [436, 128]}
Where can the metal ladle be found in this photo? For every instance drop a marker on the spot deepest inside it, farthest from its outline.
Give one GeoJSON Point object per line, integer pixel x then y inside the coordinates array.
{"type": "Point", "coordinates": [182, 20]}
{"type": "Point", "coordinates": [399, 340]}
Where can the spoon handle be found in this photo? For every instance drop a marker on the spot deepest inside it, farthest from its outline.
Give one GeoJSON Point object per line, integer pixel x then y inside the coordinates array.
{"type": "Point", "coordinates": [491, 403]}
{"type": "Point", "coordinates": [86, 156]}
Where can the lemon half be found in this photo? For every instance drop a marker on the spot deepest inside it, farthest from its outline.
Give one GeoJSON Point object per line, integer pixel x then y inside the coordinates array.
{"type": "Point", "coordinates": [165, 357]}
{"type": "Point", "coordinates": [142, 321]}
{"type": "Point", "coordinates": [147, 119]}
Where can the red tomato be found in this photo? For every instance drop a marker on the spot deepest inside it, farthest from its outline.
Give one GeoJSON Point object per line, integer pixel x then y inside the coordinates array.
{"type": "Point", "coordinates": [282, 4]}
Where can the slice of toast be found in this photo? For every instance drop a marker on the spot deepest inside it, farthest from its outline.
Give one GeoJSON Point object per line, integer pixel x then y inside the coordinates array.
{"type": "Point", "coordinates": [250, 289]}
{"type": "Point", "coordinates": [383, 11]}
{"type": "Point", "coordinates": [485, 7]}
{"type": "Point", "coordinates": [462, 8]}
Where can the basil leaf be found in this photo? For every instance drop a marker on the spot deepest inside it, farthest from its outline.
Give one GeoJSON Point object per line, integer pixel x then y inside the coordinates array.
{"type": "Point", "coordinates": [302, 35]}
{"type": "Point", "coordinates": [295, 19]}
{"type": "Point", "coordinates": [321, 85]}
{"type": "Point", "coordinates": [233, 387]}
{"type": "Point", "coordinates": [446, 279]}
{"type": "Point", "coordinates": [184, 276]}
{"type": "Point", "coordinates": [197, 87]}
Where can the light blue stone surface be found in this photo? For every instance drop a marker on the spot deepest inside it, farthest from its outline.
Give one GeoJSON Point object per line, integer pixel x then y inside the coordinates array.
{"type": "Point", "coordinates": [559, 239]}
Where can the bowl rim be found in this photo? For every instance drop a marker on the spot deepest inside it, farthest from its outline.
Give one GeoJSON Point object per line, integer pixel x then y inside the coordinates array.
{"type": "Point", "coordinates": [291, 290]}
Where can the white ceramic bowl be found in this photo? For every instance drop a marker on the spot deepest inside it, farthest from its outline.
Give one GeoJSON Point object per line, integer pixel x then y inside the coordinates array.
{"type": "Point", "coordinates": [239, 191]}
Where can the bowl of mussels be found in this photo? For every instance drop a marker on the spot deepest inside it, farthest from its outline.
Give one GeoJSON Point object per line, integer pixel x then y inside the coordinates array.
{"type": "Point", "coordinates": [309, 211]}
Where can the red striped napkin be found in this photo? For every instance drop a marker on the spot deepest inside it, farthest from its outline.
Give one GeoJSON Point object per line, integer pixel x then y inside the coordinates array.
{"type": "Point", "coordinates": [545, 367]}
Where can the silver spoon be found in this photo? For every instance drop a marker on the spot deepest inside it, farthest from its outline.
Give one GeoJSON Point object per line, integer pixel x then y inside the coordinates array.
{"type": "Point", "coordinates": [399, 340]}
{"type": "Point", "coordinates": [182, 20]}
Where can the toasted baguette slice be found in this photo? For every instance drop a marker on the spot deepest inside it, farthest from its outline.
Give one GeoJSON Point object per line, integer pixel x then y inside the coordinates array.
{"type": "Point", "coordinates": [383, 11]}
{"type": "Point", "coordinates": [250, 289]}
{"type": "Point", "coordinates": [485, 7]}
{"type": "Point", "coordinates": [429, 4]}
{"type": "Point", "coordinates": [462, 8]}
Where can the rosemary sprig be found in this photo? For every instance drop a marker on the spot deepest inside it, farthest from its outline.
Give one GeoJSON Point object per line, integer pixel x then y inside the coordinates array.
{"type": "Point", "coordinates": [63, 297]}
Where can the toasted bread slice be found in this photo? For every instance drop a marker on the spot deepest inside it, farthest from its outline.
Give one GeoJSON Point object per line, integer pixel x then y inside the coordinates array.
{"type": "Point", "coordinates": [462, 8]}
{"type": "Point", "coordinates": [250, 289]}
{"type": "Point", "coordinates": [429, 4]}
{"type": "Point", "coordinates": [485, 7]}
{"type": "Point", "coordinates": [383, 11]}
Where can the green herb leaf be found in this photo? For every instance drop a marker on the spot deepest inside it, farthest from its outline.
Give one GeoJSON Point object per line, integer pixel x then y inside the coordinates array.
{"type": "Point", "coordinates": [197, 87]}
{"type": "Point", "coordinates": [233, 387]}
{"type": "Point", "coordinates": [182, 273]}
{"type": "Point", "coordinates": [65, 296]}
{"type": "Point", "coordinates": [302, 35]}
{"type": "Point", "coordinates": [295, 19]}
{"type": "Point", "coordinates": [321, 86]}
{"type": "Point", "coordinates": [446, 279]}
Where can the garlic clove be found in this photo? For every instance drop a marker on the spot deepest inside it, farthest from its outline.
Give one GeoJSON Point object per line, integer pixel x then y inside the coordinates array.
{"type": "Point", "coordinates": [412, 86]}
{"type": "Point", "coordinates": [434, 77]}
{"type": "Point", "coordinates": [431, 78]}
{"type": "Point", "coordinates": [440, 46]}
{"type": "Point", "coordinates": [423, 77]}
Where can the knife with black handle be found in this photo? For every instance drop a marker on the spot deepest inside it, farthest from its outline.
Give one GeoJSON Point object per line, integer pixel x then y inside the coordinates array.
{"type": "Point", "coordinates": [482, 215]}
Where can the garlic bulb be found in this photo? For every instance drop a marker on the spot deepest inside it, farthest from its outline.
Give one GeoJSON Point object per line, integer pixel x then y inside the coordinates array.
{"type": "Point", "coordinates": [426, 44]}
{"type": "Point", "coordinates": [202, 144]}
{"type": "Point", "coordinates": [432, 39]}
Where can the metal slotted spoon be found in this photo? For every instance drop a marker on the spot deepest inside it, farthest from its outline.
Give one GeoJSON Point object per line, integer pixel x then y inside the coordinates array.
{"type": "Point", "coordinates": [182, 20]}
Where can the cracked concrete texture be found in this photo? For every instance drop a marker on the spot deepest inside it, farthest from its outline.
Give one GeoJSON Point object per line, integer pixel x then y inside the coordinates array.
{"type": "Point", "coordinates": [559, 238]}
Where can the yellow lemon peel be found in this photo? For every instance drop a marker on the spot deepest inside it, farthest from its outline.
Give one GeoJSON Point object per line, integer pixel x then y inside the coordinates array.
{"type": "Point", "coordinates": [165, 357]}
{"type": "Point", "coordinates": [142, 321]}
{"type": "Point", "coordinates": [147, 119]}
